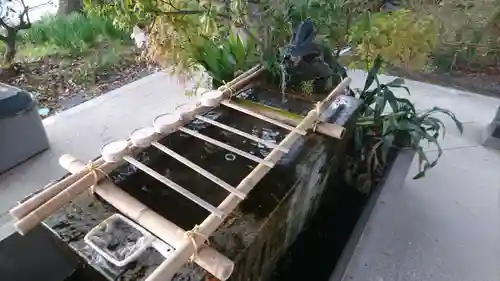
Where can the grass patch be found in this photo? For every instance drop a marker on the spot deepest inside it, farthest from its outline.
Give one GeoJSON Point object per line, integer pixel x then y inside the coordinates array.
{"type": "Point", "coordinates": [30, 51]}
{"type": "Point", "coordinates": [70, 35]}
{"type": "Point", "coordinates": [84, 45]}
{"type": "Point", "coordinates": [75, 32]}
{"type": "Point", "coordinates": [82, 49]}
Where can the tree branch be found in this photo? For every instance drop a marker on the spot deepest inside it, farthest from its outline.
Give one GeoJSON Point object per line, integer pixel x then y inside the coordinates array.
{"type": "Point", "coordinates": [157, 11]}
{"type": "Point", "coordinates": [24, 24]}
{"type": "Point", "coordinates": [178, 11]}
{"type": "Point", "coordinates": [3, 24]}
{"type": "Point", "coordinates": [344, 41]}
{"type": "Point", "coordinates": [170, 4]}
{"type": "Point", "coordinates": [25, 11]}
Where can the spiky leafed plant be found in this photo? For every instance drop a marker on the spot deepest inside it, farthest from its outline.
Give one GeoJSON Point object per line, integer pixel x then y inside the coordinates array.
{"type": "Point", "coordinates": [223, 60]}
{"type": "Point", "coordinates": [387, 122]}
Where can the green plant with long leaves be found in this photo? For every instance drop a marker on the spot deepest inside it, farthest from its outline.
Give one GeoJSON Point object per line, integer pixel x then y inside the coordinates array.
{"type": "Point", "coordinates": [175, 26]}
{"type": "Point", "coordinates": [387, 122]}
{"type": "Point", "coordinates": [224, 60]}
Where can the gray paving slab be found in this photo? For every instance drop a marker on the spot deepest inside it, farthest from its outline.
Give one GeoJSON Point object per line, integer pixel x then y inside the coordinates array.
{"type": "Point", "coordinates": [469, 107]}
{"type": "Point", "coordinates": [446, 226]}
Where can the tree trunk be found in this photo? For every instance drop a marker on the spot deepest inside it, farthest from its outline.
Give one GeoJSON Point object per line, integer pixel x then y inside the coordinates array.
{"type": "Point", "coordinates": [69, 6]}
{"type": "Point", "coordinates": [10, 46]}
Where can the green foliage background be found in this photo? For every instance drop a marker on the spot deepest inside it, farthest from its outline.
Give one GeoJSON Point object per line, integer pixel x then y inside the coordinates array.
{"type": "Point", "coordinates": [178, 27]}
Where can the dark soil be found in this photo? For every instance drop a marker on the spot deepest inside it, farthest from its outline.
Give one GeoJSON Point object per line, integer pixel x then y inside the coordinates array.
{"type": "Point", "coordinates": [60, 82]}
{"type": "Point", "coordinates": [316, 251]}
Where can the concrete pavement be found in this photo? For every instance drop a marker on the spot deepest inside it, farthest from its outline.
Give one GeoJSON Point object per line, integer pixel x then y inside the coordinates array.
{"type": "Point", "coordinates": [446, 226]}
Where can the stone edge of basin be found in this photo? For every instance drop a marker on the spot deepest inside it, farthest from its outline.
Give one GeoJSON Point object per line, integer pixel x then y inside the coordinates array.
{"type": "Point", "coordinates": [393, 179]}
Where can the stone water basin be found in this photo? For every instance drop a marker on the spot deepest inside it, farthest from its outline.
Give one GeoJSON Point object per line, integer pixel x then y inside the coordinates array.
{"type": "Point", "coordinates": [262, 226]}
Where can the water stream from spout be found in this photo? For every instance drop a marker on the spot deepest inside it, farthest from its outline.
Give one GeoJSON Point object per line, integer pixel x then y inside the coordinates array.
{"type": "Point", "coordinates": [284, 76]}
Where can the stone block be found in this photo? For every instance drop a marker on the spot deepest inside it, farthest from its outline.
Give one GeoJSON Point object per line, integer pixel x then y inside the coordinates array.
{"type": "Point", "coordinates": [492, 133]}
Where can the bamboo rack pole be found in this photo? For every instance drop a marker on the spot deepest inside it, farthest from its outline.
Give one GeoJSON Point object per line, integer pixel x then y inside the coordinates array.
{"type": "Point", "coordinates": [143, 137]}
{"type": "Point", "coordinates": [253, 72]}
{"type": "Point", "coordinates": [42, 206]}
{"type": "Point", "coordinates": [167, 269]}
{"type": "Point", "coordinates": [47, 208]}
{"type": "Point", "coordinates": [199, 169]}
{"type": "Point", "coordinates": [208, 258]}
{"type": "Point", "coordinates": [324, 128]}
{"type": "Point", "coordinates": [227, 147]}
{"type": "Point", "coordinates": [188, 194]}
{"type": "Point", "coordinates": [50, 191]}
{"type": "Point", "coordinates": [241, 133]}
{"type": "Point", "coordinates": [262, 117]}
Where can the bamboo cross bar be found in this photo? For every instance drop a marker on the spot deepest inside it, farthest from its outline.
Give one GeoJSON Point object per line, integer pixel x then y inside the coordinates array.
{"type": "Point", "coordinates": [250, 74]}
{"type": "Point", "coordinates": [167, 269]}
{"type": "Point", "coordinates": [20, 211]}
{"type": "Point", "coordinates": [262, 117]}
{"type": "Point", "coordinates": [28, 222]}
{"type": "Point", "coordinates": [199, 169]}
{"type": "Point", "coordinates": [241, 133]}
{"type": "Point", "coordinates": [324, 128]}
{"type": "Point", "coordinates": [174, 186]}
{"type": "Point", "coordinates": [339, 90]}
{"type": "Point", "coordinates": [143, 137]}
{"type": "Point", "coordinates": [208, 258]}
{"type": "Point", "coordinates": [227, 147]}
